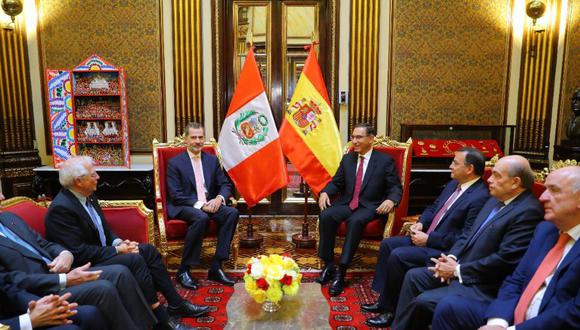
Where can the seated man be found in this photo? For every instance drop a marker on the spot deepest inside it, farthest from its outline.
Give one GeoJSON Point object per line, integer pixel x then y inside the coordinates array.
{"type": "Point", "coordinates": [27, 311]}
{"type": "Point", "coordinates": [41, 267]}
{"type": "Point", "coordinates": [197, 189]}
{"type": "Point", "coordinates": [435, 232]}
{"type": "Point", "coordinates": [481, 259]}
{"type": "Point", "coordinates": [75, 220]}
{"type": "Point", "coordinates": [368, 186]}
{"type": "Point", "coordinates": [544, 290]}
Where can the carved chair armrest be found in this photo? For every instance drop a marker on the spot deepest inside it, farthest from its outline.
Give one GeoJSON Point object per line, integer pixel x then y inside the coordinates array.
{"type": "Point", "coordinates": [408, 222]}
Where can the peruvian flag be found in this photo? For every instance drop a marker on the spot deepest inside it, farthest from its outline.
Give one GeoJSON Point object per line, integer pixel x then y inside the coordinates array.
{"type": "Point", "coordinates": [249, 143]}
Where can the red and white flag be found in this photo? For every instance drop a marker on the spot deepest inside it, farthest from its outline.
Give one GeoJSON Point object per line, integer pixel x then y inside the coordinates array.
{"type": "Point", "coordinates": [249, 143]}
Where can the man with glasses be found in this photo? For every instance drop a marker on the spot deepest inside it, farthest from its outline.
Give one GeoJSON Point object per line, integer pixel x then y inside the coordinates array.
{"type": "Point", "coordinates": [437, 229]}
{"type": "Point", "coordinates": [367, 186]}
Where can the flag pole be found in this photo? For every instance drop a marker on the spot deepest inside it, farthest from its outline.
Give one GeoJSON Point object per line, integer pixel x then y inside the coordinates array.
{"type": "Point", "coordinates": [304, 239]}
{"type": "Point", "coordinates": [252, 239]}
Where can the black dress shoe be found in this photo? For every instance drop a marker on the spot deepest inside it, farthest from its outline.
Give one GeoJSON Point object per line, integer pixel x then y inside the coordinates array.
{"type": "Point", "coordinates": [382, 321]}
{"type": "Point", "coordinates": [219, 276]}
{"type": "Point", "coordinates": [173, 324]}
{"type": "Point", "coordinates": [187, 309]}
{"type": "Point", "coordinates": [326, 275]}
{"type": "Point", "coordinates": [371, 308]}
{"type": "Point", "coordinates": [186, 281]}
{"type": "Point", "coordinates": [337, 285]}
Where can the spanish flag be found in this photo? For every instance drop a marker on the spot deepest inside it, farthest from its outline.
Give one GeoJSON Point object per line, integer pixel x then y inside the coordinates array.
{"type": "Point", "coordinates": [309, 134]}
{"type": "Point", "coordinates": [249, 142]}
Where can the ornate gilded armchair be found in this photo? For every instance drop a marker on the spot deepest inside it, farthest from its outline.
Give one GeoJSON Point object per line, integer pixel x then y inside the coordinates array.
{"type": "Point", "coordinates": [172, 231]}
{"type": "Point", "coordinates": [378, 228]}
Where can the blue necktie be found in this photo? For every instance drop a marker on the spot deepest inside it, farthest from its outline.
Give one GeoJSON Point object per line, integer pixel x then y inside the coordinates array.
{"type": "Point", "coordinates": [97, 222]}
{"type": "Point", "coordinates": [16, 239]}
{"type": "Point", "coordinates": [488, 219]}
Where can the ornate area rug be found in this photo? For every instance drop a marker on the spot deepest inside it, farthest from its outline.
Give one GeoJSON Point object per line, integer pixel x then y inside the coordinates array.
{"type": "Point", "coordinates": [345, 313]}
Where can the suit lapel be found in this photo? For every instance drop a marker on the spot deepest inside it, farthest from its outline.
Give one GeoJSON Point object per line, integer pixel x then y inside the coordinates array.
{"type": "Point", "coordinates": [15, 246]}
{"type": "Point", "coordinates": [80, 209]}
{"type": "Point", "coordinates": [571, 256]}
{"type": "Point", "coordinates": [188, 168]}
{"type": "Point", "coordinates": [481, 217]}
{"type": "Point", "coordinates": [206, 168]}
{"type": "Point", "coordinates": [370, 169]}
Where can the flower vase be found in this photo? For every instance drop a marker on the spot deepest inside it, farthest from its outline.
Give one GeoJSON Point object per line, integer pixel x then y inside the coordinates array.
{"type": "Point", "coordinates": [270, 306]}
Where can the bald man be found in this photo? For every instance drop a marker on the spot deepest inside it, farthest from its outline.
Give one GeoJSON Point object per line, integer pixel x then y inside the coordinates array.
{"type": "Point", "coordinates": [543, 292]}
{"type": "Point", "coordinates": [480, 260]}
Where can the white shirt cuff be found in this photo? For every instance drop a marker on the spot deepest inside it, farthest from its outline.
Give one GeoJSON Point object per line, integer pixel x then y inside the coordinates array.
{"type": "Point", "coordinates": [62, 281]}
{"type": "Point", "coordinates": [497, 321]}
{"type": "Point", "coordinates": [223, 199]}
{"type": "Point", "coordinates": [457, 273]}
{"type": "Point", "coordinates": [116, 242]}
{"type": "Point", "coordinates": [198, 205]}
{"type": "Point", "coordinates": [25, 322]}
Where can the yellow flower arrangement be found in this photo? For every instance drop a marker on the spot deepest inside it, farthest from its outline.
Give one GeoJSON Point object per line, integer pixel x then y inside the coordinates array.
{"type": "Point", "coordinates": [271, 277]}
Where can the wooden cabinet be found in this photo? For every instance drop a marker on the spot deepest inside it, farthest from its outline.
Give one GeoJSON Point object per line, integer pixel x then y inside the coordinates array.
{"type": "Point", "coordinates": [88, 113]}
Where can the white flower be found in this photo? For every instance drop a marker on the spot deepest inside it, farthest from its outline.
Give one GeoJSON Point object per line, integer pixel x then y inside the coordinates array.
{"type": "Point", "coordinates": [275, 273]}
{"type": "Point", "coordinates": [257, 270]}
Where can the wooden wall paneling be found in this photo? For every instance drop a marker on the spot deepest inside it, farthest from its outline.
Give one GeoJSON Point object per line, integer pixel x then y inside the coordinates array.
{"type": "Point", "coordinates": [18, 155]}
{"type": "Point", "coordinates": [187, 63]}
{"type": "Point", "coordinates": [364, 50]}
{"type": "Point", "coordinates": [536, 89]}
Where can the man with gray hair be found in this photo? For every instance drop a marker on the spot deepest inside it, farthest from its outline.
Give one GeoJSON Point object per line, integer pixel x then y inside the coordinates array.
{"type": "Point", "coordinates": [75, 220]}
{"type": "Point", "coordinates": [544, 290]}
{"type": "Point", "coordinates": [479, 261]}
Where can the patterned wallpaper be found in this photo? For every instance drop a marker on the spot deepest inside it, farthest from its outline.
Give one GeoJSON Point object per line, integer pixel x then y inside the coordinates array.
{"type": "Point", "coordinates": [571, 74]}
{"type": "Point", "coordinates": [127, 34]}
{"type": "Point", "coordinates": [450, 62]}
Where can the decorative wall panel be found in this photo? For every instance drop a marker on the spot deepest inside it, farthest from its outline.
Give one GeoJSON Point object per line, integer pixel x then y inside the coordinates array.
{"type": "Point", "coordinates": [17, 153]}
{"type": "Point", "coordinates": [449, 62]}
{"type": "Point", "coordinates": [187, 63]}
{"type": "Point", "coordinates": [571, 74]}
{"type": "Point", "coordinates": [364, 62]}
{"type": "Point", "coordinates": [537, 88]}
{"type": "Point", "coordinates": [128, 33]}
{"type": "Point", "coordinates": [16, 127]}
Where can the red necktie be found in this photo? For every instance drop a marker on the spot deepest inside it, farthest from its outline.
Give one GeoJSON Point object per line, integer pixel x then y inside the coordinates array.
{"type": "Point", "coordinates": [443, 209]}
{"type": "Point", "coordinates": [359, 177]}
{"type": "Point", "coordinates": [544, 270]}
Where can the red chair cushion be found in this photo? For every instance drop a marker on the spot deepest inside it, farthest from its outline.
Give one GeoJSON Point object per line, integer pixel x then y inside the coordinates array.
{"type": "Point", "coordinates": [128, 223]}
{"type": "Point", "coordinates": [31, 213]}
{"type": "Point", "coordinates": [538, 189]}
{"type": "Point", "coordinates": [175, 229]}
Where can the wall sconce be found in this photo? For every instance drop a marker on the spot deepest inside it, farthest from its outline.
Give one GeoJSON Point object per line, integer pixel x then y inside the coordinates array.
{"type": "Point", "coordinates": [536, 9]}
{"type": "Point", "coordinates": [11, 8]}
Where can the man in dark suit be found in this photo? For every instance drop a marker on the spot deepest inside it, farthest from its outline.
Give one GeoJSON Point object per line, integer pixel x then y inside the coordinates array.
{"type": "Point", "coordinates": [368, 186]}
{"type": "Point", "coordinates": [41, 267]}
{"type": "Point", "coordinates": [480, 260]}
{"type": "Point", "coordinates": [75, 220]}
{"type": "Point", "coordinates": [197, 190]}
{"type": "Point", "coordinates": [435, 232]}
{"type": "Point", "coordinates": [22, 310]}
{"type": "Point", "coordinates": [544, 290]}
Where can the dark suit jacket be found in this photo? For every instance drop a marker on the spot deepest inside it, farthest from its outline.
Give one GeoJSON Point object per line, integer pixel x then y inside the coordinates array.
{"type": "Point", "coordinates": [13, 302]}
{"type": "Point", "coordinates": [495, 253]}
{"type": "Point", "coordinates": [68, 223]}
{"type": "Point", "coordinates": [560, 306]}
{"type": "Point", "coordinates": [459, 217]}
{"type": "Point", "coordinates": [379, 183]}
{"type": "Point", "coordinates": [181, 189]}
{"type": "Point", "coordinates": [24, 268]}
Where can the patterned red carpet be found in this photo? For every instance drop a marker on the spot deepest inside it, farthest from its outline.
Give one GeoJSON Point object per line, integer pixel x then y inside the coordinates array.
{"type": "Point", "coordinates": [345, 313]}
